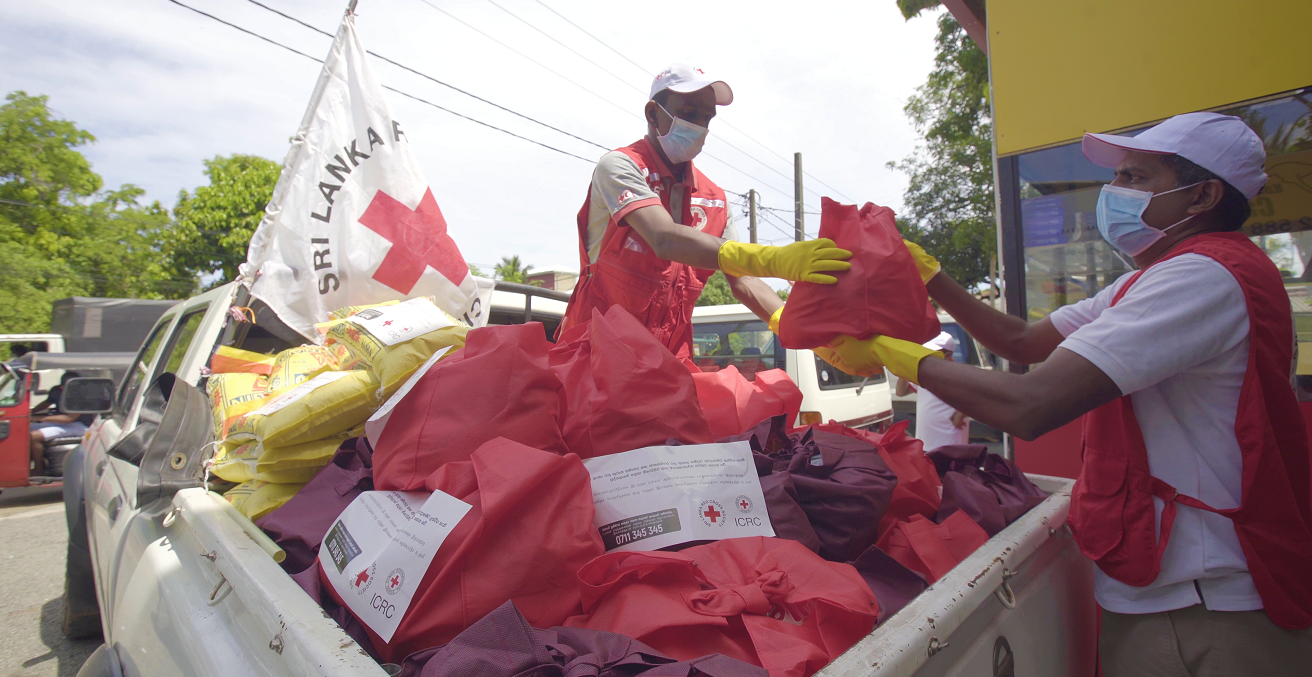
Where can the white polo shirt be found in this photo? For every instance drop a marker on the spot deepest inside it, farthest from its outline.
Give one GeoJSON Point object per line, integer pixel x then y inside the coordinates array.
{"type": "Point", "coordinates": [1177, 343]}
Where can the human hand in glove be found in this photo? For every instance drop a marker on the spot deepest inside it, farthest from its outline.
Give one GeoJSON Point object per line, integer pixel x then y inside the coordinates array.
{"type": "Point", "coordinates": [799, 262]}
{"type": "Point", "coordinates": [926, 265]}
{"type": "Point", "coordinates": [827, 353]}
{"type": "Point", "coordinates": [868, 357]}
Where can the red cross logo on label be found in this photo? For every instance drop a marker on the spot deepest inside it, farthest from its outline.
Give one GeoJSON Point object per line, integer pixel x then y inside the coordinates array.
{"type": "Point", "coordinates": [712, 513]}
{"type": "Point", "coordinates": [387, 323]}
{"type": "Point", "coordinates": [361, 577]}
{"type": "Point", "coordinates": [419, 240]}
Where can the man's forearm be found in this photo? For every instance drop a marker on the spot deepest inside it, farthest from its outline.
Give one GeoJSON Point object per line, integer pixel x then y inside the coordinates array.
{"type": "Point", "coordinates": [754, 293]}
{"type": "Point", "coordinates": [672, 242]}
{"type": "Point", "coordinates": [1025, 405]}
{"type": "Point", "coordinates": [1007, 335]}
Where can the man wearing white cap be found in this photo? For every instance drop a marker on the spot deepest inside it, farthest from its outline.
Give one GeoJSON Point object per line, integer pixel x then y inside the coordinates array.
{"type": "Point", "coordinates": [937, 423]}
{"type": "Point", "coordinates": [1194, 494]}
{"type": "Point", "coordinates": [653, 228]}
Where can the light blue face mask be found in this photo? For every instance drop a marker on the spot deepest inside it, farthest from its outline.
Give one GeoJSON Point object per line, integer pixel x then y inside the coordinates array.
{"type": "Point", "coordinates": [1120, 218]}
{"type": "Point", "coordinates": [684, 140]}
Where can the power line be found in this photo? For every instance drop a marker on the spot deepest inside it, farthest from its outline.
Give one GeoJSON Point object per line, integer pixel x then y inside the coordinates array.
{"type": "Point", "coordinates": [431, 78]}
{"type": "Point", "coordinates": [402, 93]}
{"type": "Point", "coordinates": [599, 40]}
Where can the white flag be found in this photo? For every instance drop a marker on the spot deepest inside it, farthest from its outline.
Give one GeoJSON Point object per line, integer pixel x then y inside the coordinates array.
{"type": "Point", "coordinates": [352, 220]}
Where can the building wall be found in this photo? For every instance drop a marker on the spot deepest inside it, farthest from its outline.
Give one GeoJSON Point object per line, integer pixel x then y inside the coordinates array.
{"type": "Point", "coordinates": [1061, 68]}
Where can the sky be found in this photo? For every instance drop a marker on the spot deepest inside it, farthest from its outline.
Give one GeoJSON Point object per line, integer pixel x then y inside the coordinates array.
{"type": "Point", "coordinates": [163, 88]}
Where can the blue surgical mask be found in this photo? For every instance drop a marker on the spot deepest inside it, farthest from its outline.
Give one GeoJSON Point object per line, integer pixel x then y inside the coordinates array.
{"type": "Point", "coordinates": [1120, 218]}
{"type": "Point", "coordinates": [684, 140]}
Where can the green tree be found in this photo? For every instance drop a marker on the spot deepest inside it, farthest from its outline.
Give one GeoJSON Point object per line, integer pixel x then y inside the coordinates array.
{"type": "Point", "coordinates": [717, 292]}
{"type": "Point", "coordinates": [60, 234]}
{"type": "Point", "coordinates": [212, 226]}
{"type": "Point", "coordinates": [949, 199]}
{"type": "Point", "coordinates": [511, 269]}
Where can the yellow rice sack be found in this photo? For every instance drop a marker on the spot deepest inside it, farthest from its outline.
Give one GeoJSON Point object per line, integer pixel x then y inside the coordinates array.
{"type": "Point", "coordinates": [229, 360]}
{"type": "Point", "coordinates": [327, 404]}
{"type": "Point", "coordinates": [299, 462]}
{"type": "Point", "coordinates": [293, 366]}
{"type": "Point", "coordinates": [235, 461]}
{"type": "Point", "coordinates": [233, 395]}
{"type": "Point", "coordinates": [394, 341]}
{"type": "Point", "coordinates": [255, 498]}
{"type": "Point", "coordinates": [343, 313]}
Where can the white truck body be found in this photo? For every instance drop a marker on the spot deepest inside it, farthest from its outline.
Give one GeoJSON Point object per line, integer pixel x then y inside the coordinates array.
{"type": "Point", "coordinates": [43, 343]}
{"type": "Point", "coordinates": [183, 588]}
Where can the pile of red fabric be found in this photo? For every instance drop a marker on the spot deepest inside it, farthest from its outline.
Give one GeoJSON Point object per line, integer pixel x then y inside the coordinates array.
{"type": "Point", "coordinates": [732, 404]}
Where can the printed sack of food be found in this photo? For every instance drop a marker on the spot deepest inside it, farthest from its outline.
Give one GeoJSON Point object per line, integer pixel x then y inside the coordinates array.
{"type": "Point", "coordinates": [293, 366]}
{"type": "Point", "coordinates": [235, 460]}
{"type": "Point", "coordinates": [229, 360]}
{"type": "Point", "coordinates": [233, 395]}
{"type": "Point", "coordinates": [392, 342]}
{"type": "Point", "coordinates": [299, 462]}
{"type": "Point", "coordinates": [255, 498]}
{"type": "Point", "coordinates": [330, 403]}
{"type": "Point", "coordinates": [342, 313]}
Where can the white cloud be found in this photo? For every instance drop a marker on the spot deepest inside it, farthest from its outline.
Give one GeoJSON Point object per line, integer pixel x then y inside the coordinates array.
{"type": "Point", "coordinates": [163, 89]}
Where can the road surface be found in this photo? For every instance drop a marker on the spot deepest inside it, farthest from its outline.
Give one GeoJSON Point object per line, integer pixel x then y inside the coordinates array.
{"type": "Point", "coordinates": [33, 538]}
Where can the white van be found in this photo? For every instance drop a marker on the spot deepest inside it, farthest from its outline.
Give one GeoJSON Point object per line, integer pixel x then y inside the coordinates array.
{"type": "Point", "coordinates": [733, 335]}
{"type": "Point", "coordinates": [968, 351]}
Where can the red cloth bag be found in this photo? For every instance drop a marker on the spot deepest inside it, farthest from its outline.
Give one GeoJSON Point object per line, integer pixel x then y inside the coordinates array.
{"type": "Point", "coordinates": [498, 385]}
{"type": "Point", "coordinates": [529, 531]}
{"type": "Point", "coordinates": [881, 294]}
{"type": "Point", "coordinates": [732, 404]}
{"type": "Point", "coordinates": [623, 389]}
{"type": "Point", "coordinates": [767, 601]}
{"type": "Point", "coordinates": [929, 549]}
{"type": "Point", "coordinates": [918, 487]}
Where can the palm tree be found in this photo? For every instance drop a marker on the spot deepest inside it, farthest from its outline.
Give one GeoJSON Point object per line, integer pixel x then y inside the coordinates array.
{"type": "Point", "coordinates": [511, 269]}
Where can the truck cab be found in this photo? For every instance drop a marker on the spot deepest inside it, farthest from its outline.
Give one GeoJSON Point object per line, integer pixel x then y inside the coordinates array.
{"type": "Point", "coordinates": [733, 335]}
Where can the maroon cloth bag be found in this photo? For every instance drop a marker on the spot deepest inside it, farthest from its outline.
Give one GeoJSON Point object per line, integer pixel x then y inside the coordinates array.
{"type": "Point", "coordinates": [881, 294]}
{"type": "Point", "coordinates": [623, 389]}
{"type": "Point", "coordinates": [498, 385]}
{"type": "Point", "coordinates": [894, 585]}
{"type": "Point", "coordinates": [1015, 494]}
{"type": "Point", "coordinates": [298, 526]}
{"type": "Point", "coordinates": [503, 644]}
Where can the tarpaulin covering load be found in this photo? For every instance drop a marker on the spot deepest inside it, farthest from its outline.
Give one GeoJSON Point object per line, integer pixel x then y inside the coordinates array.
{"type": "Point", "coordinates": [503, 644]}
{"type": "Point", "coordinates": [930, 549]}
{"type": "Point", "coordinates": [918, 485]}
{"type": "Point", "coordinates": [529, 531]}
{"type": "Point", "coordinates": [766, 601]}
{"type": "Point", "coordinates": [986, 486]}
{"type": "Point", "coordinates": [623, 389]}
{"type": "Point", "coordinates": [499, 385]}
{"type": "Point", "coordinates": [881, 294]}
{"type": "Point", "coordinates": [732, 404]}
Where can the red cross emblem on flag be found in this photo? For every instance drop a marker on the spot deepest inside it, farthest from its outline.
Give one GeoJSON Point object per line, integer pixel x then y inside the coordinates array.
{"type": "Point", "coordinates": [419, 240]}
{"type": "Point", "coordinates": [711, 513]}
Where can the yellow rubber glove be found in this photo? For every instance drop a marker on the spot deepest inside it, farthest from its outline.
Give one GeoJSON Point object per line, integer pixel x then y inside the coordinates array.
{"type": "Point", "coordinates": [825, 353]}
{"type": "Point", "coordinates": [868, 357]}
{"type": "Point", "coordinates": [927, 265]}
{"type": "Point", "coordinates": [798, 262]}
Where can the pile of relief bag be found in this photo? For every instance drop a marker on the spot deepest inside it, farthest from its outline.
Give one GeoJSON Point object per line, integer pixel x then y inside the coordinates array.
{"type": "Point", "coordinates": [402, 398]}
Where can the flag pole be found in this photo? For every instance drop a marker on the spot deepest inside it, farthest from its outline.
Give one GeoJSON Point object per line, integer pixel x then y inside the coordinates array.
{"type": "Point", "coordinates": [350, 7]}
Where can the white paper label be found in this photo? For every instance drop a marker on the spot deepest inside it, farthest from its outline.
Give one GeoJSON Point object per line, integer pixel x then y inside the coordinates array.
{"type": "Point", "coordinates": [299, 391]}
{"type": "Point", "coordinates": [401, 322]}
{"type": "Point", "coordinates": [380, 547]}
{"type": "Point", "coordinates": [373, 428]}
{"type": "Point", "coordinates": [655, 497]}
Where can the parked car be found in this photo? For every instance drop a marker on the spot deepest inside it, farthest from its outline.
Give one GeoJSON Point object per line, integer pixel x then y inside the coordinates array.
{"type": "Point", "coordinates": [733, 335]}
{"type": "Point", "coordinates": [968, 351]}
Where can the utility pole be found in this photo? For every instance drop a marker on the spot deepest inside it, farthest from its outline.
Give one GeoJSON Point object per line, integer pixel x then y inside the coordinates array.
{"type": "Point", "coordinates": [751, 211]}
{"type": "Point", "coordinates": [798, 222]}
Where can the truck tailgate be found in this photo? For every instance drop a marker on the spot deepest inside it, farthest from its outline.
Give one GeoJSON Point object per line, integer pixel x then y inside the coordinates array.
{"type": "Point", "coordinates": [1024, 599]}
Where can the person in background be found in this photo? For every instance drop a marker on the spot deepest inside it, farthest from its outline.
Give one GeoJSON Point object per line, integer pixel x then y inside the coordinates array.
{"type": "Point", "coordinates": [1194, 497]}
{"type": "Point", "coordinates": [49, 422]}
{"type": "Point", "coordinates": [654, 228]}
{"type": "Point", "coordinates": [937, 423]}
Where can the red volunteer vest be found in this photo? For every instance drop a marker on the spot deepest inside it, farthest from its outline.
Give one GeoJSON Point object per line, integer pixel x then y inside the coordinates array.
{"type": "Point", "coordinates": [1112, 513]}
{"type": "Point", "coordinates": [660, 293]}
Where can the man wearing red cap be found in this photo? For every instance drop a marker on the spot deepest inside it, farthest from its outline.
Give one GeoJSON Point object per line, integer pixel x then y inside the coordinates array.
{"type": "Point", "coordinates": [654, 228]}
{"type": "Point", "coordinates": [1193, 498]}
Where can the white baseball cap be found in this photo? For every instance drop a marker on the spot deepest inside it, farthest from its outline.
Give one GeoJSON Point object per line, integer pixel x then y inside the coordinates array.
{"type": "Point", "coordinates": [682, 78]}
{"type": "Point", "coordinates": [1221, 144]}
{"type": "Point", "coordinates": [944, 341]}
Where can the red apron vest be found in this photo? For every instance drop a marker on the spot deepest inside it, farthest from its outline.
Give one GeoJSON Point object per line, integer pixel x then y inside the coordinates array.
{"type": "Point", "coordinates": [660, 293]}
{"type": "Point", "coordinates": [1112, 514]}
